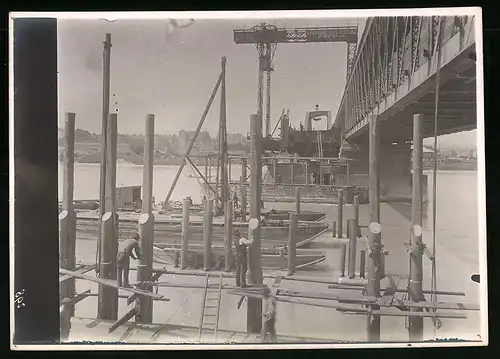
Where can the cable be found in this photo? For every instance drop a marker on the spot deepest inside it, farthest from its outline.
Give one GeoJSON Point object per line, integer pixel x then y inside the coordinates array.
{"type": "Point", "coordinates": [434, 183]}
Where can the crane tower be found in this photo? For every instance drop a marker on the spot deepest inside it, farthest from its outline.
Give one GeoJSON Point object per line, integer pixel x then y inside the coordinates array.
{"type": "Point", "coordinates": [266, 37]}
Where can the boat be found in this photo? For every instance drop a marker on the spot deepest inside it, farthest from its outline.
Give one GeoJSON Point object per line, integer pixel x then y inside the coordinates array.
{"type": "Point", "coordinates": [270, 259]}
{"type": "Point", "coordinates": [304, 216]}
{"type": "Point", "coordinates": [83, 205]}
{"type": "Point", "coordinates": [168, 230]}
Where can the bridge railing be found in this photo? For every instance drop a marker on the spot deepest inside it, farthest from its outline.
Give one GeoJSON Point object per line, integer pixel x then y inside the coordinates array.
{"type": "Point", "coordinates": [390, 52]}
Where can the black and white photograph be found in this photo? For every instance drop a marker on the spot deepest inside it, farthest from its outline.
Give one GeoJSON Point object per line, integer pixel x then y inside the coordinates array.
{"type": "Point", "coordinates": [270, 179]}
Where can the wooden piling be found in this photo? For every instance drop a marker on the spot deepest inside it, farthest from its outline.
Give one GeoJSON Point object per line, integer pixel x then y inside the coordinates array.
{"type": "Point", "coordinates": [146, 221]}
{"type": "Point", "coordinates": [106, 79]}
{"type": "Point", "coordinates": [275, 165]}
{"type": "Point", "coordinates": [416, 326]}
{"type": "Point", "coordinates": [147, 176]}
{"type": "Point", "coordinates": [373, 286]}
{"type": "Point", "coordinates": [244, 170]}
{"type": "Point", "coordinates": [145, 266]}
{"type": "Point", "coordinates": [362, 263]}
{"type": "Point", "coordinates": [206, 168]}
{"type": "Point", "coordinates": [343, 254]}
{"type": "Point", "coordinates": [108, 297]}
{"type": "Point", "coordinates": [292, 243]}
{"type": "Point", "coordinates": [207, 234]}
{"type": "Point", "coordinates": [243, 195]}
{"type": "Point", "coordinates": [67, 238]}
{"type": "Point", "coordinates": [243, 189]}
{"type": "Point", "coordinates": [254, 306]}
{"type": "Point", "coordinates": [185, 232]}
{"type": "Point", "coordinates": [356, 214]}
{"type": "Point", "coordinates": [297, 200]}
{"type": "Point", "coordinates": [351, 226]}
{"type": "Point", "coordinates": [107, 309]}
{"type": "Point", "coordinates": [228, 231]}
{"type": "Point", "coordinates": [209, 168]}
{"type": "Point", "coordinates": [321, 173]}
{"type": "Point", "coordinates": [340, 203]}
{"type": "Point", "coordinates": [224, 194]}
{"type": "Point", "coordinates": [373, 169]}
{"type": "Point", "coordinates": [334, 229]}
{"type": "Point", "coordinates": [307, 173]}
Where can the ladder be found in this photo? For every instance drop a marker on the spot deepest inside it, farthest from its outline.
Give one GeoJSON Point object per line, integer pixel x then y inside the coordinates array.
{"type": "Point", "coordinates": [209, 320]}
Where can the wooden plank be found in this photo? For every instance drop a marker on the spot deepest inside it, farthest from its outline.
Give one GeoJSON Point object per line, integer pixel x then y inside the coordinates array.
{"type": "Point", "coordinates": [144, 286]}
{"type": "Point", "coordinates": [109, 283]}
{"type": "Point", "coordinates": [79, 297]}
{"type": "Point", "coordinates": [347, 298]}
{"type": "Point", "coordinates": [313, 304]}
{"type": "Point", "coordinates": [399, 290]}
{"type": "Point", "coordinates": [440, 305]}
{"type": "Point", "coordinates": [81, 270]}
{"type": "Point", "coordinates": [246, 294]}
{"type": "Point", "coordinates": [390, 291]}
{"type": "Point", "coordinates": [409, 314]}
{"type": "Point", "coordinates": [130, 314]}
{"type": "Point", "coordinates": [275, 286]}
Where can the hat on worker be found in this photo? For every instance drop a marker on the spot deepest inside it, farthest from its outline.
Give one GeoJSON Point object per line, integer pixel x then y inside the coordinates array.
{"type": "Point", "coordinates": [136, 236]}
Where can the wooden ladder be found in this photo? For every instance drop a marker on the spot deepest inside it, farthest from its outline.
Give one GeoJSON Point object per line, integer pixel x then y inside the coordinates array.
{"type": "Point", "coordinates": [209, 320]}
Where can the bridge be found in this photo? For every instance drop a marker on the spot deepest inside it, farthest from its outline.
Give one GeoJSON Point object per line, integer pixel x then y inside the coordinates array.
{"type": "Point", "coordinates": [398, 65]}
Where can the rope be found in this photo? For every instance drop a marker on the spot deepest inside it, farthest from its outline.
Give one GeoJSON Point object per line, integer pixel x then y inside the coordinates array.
{"type": "Point", "coordinates": [434, 182]}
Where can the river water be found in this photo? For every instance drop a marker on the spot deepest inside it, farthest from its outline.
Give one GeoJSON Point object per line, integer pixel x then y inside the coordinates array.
{"type": "Point", "coordinates": [456, 235]}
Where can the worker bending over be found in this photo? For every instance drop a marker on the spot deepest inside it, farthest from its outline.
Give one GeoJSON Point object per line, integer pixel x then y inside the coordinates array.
{"type": "Point", "coordinates": [125, 251]}
{"type": "Point", "coordinates": [269, 317]}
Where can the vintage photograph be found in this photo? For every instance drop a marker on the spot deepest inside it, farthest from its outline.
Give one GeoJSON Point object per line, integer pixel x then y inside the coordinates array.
{"type": "Point", "coordinates": [273, 178]}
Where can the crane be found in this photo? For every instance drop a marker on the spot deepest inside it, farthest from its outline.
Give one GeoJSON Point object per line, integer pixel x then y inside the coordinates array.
{"type": "Point", "coordinates": [267, 36]}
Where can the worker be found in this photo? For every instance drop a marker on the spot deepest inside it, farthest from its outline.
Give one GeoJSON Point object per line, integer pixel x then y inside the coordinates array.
{"type": "Point", "coordinates": [269, 316]}
{"type": "Point", "coordinates": [235, 201]}
{"type": "Point", "coordinates": [241, 259]}
{"type": "Point", "coordinates": [65, 319]}
{"type": "Point", "coordinates": [125, 251]}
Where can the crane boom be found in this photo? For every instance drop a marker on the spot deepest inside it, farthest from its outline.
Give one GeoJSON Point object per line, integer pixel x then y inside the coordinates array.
{"type": "Point", "coordinates": [282, 35]}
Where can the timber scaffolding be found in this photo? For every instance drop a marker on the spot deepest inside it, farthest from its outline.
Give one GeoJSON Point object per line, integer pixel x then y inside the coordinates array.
{"type": "Point", "coordinates": [275, 188]}
{"type": "Point", "coordinates": [369, 300]}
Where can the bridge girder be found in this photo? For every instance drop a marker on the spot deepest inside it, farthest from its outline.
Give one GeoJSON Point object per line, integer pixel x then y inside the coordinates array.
{"type": "Point", "coordinates": [394, 75]}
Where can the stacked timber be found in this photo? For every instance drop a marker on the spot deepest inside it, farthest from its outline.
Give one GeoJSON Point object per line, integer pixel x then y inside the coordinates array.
{"type": "Point", "coordinates": [168, 230]}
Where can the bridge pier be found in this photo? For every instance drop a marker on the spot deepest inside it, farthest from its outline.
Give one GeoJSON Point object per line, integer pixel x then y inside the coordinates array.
{"type": "Point", "coordinates": [394, 170]}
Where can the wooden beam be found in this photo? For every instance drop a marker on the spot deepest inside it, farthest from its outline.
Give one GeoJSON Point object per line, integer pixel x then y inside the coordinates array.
{"type": "Point", "coordinates": [79, 297]}
{"type": "Point", "coordinates": [275, 285]}
{"type": "Point", "coordinates": [144, 286]}
{"type": "Point", "coordinates": [124, 296]}
{"type": "Point", "coordinates": [398, 290]}
{"type": "Point", "coordinates": [389, 292]}
{"type": "Point", "coordinates": [129, 315]}
{"type": "Point", "coordinates": [199, 174]}
{"type": "Point", "coordinates": [193, 140]}
{"type": "Point", "coordinates": [108, 283]}
{"type": "Point", "coordinates": [83, 270]}
{"type": "Point", "coordinates": [409, 314]}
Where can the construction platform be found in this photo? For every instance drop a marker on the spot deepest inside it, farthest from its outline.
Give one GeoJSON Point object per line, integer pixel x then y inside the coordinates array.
{"type": "Point", "coordinates": [96, 330]}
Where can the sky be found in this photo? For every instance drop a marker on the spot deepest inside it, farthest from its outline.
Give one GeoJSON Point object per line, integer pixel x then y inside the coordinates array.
{"type": "Point", "coordinates": [171, 73]}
